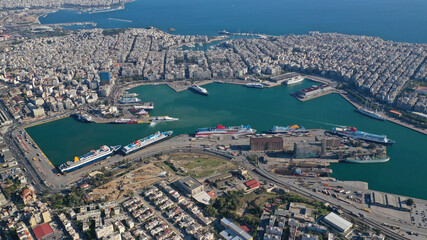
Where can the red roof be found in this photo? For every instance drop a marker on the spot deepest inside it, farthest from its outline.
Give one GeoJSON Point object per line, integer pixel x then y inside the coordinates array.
{"type": "Point", "coordinates": [245, 228]}
{"type": "Point", "coordinates": [252, 184]}
{"type": "Point", "coordinates": [212, 194]}
{"type": "Point", "coordinates": [42, 230]}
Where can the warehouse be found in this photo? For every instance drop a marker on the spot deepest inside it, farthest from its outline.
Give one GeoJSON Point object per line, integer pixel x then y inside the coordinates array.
{"type": "Point", "coordinates": [337, 222]}
{"type": "Point", "coordinates": [266, 144]}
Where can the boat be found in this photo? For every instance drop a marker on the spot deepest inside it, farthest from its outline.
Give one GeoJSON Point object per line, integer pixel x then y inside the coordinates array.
{"type": "Point", "coordinates": [142, 112]}
{"type": "Point", "coordinates": [141, 143]}
{"type": "Point", "coordinates": [220, 130]}
{"type": "Point", "coordinates": [145, 106]}
{"type": "Point", "coordinates": [199, 90]}
{"type": "Point", "coordinates": [124, 121]}
{"type": "Point", "coordinates": [88, 158]}
{"type": "Point", "coordinates": [372, 114]}
{"type": "Point", "coordinates": [163, 119]}
{"type": "Point", "coordinates": [352, 132]}
{"type": "Point", "coordinates": [296, 79]}
{"type": "Point", "coordinates": [254, 85]}
{"type": "Point", "coordinates": [83, 118]}
{"type": "Point", "coordinates": [288, 129]}
{"type": "Point", "coordinates": [129, 100]}
{"type": "Point", "coordinates": [367, 159]}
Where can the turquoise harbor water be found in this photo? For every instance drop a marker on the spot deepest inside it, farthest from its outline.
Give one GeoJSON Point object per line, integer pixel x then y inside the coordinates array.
{"type": "Point", "coordinates": [261, 108]}
{"type": "Point", "coordinates": [398, 20]}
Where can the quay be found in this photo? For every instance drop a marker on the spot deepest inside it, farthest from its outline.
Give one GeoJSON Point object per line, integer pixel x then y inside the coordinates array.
{"type": "Point", "coordinates": [353, 102]}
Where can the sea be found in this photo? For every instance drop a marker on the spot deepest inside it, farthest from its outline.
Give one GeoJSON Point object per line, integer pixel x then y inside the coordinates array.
{"type": "Point", "coordinates": [397, 20]}
{"type": "Point", "coordinates": [230, 104]}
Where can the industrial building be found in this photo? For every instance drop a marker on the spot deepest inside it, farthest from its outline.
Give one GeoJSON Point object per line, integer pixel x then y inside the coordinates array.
{"type": "Point", "coordinates": [337, 222]}
{"type": "Point", "coordinates": [190, 186]}
{"type": "Point", "coordinates": [266, 144]}
{"type": "Point", "coordinates": [306, 150]}
{"type": "Point", "coordinates": [314, 91]}
{"type": "Point", "coordinates": [388, 200]}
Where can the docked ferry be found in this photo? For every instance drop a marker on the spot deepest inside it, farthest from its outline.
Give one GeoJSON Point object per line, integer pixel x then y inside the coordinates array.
{"type": "Point", "coordinates": [129, 100]}
{"type": "Point", "coordinates": [367, 159]}
{"type": "Point", "coordinates": [124, 121]}
{"type": "Point", "coordinates": [163, 119]}
{"type": "Point", "coordinates": [296, 79]}
{"type": "Point", "coordinates": [139, 144]}
{"type": "Point", "coordinates": [88, 158]}
{"type": "Point", "coordinates": [288, 129]}
{"type": "Point", "coordinates": [83, 118]}
{"type": "Point", "coordinates": [254, 85]}
{"type": "Point", "coordinates": [199, 90]}
{"type": "Point", "coordinates": [352, 132]}
{"type": "Point", "coordinates": [220, 130]}
{"type": "Point", "coordinates": [372, 114]}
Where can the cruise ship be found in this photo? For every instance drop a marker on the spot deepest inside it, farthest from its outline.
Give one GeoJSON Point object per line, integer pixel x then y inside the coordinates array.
{"type": "Point", "coordinates": [372, 114]}
{"type": "Point", "coordinates": [288, 129]}
{"type": "Point", "coordinates": [352, 132]}
{"type": "Point", "coordinates": [254, 85]}
{"type": "Point", "coordinates": [367, 159]}
{"type": "Point", "coordinates": [129, 100]}
{"type": "Point", "coordinates": [139, 144]}
{"type": "Point", "coordinates": [88, 158]}
{"type": "Point", "coordinates": [83, 118]}
{"type": "Point", "coordinates": [199, 90]}
{"type": "Point", "coordinates": [220, 130]}
{"type": "Point", "coordinates": [295, 79]}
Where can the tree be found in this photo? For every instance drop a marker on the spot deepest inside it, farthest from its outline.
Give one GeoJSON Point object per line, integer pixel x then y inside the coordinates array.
{"type": "Point", "coordinates": [410, 202]}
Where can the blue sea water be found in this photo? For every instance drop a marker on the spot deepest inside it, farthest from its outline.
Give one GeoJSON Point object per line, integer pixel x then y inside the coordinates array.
{"type": "Point", "coordinates": [397, 20]}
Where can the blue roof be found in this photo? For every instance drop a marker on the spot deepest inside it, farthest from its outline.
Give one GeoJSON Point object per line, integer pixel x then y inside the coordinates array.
{"type": "Point", "coordinates": [105, 76]}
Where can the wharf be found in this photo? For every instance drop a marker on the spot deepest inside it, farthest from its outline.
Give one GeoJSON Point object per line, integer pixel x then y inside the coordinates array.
{"type": "Point", "coordinates": [388, 118]}
{"type": "Point", "coordinates": [313, 97]}
{"type": "Point", "coordinates": [182, 86]}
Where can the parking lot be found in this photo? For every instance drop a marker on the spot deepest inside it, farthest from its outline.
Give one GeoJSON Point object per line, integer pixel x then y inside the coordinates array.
{"type": "Point", "coordinates": [418, 215]}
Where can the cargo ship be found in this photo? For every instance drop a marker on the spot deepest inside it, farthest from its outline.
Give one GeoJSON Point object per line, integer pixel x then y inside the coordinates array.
{"type": "Point", "coordinates": [367, 159]}
{"type": "Point", "coordinates": [83, 118]}
{"type": "Point", "coordinates": [220, 130]}
{"type": "Point", "coordinates": [254, 85]}
{"type": "Point", "coordinates": [296, 79]}
{"type": "Point", "coordinates": [352, 132]}
{"type": "Point", "coordinates": [124, 121]}
{"type": "Point", "coordinates": [163, 119]}
{"type": "Point", "coordinates": [88, 158]}
{"type": "Point", "coordinates": [372, 114]}
{"type": "Point", "coordinates": [288, 129]}
{"type": "Point", "coordinates": [129, 100]}
{"type": "Point", "coordinates": [139, 144]}
{"type": "Point", "coordinates": [199, 90]}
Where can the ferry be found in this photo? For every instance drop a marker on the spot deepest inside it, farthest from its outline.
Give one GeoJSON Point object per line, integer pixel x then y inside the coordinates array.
{"type": "Point", "coordinates": [163, 119]}
{"type": "Point", "coordinates": [288, 129]}
{"type": "Point", "coordinates": [199, 90]}
{"type": "Point", "coordinates": [254, 85]}
{"type": "Point", "coordinates": [124, 121]}
{"type": "Point", "coordinates": [88, 158]}
{"type": "Point", "coordinates": [220, 130]}
{"type": "Point", "coordinates": [352, 132]}
{"type": "Point", "coordinates": [367, 159]}
{"type": "Point", "coordinates": [372, 114]}
{"type": "Point", "coordinates": [139, 144]}
{"type": "Point", "coordinates": [129, 100]}
{"type": "Point", "coordinates": [142, 112]}
{"type": "Point", "coordinates": [83, 118]}
{"type": "Point", "coordinates": [296, 79]}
